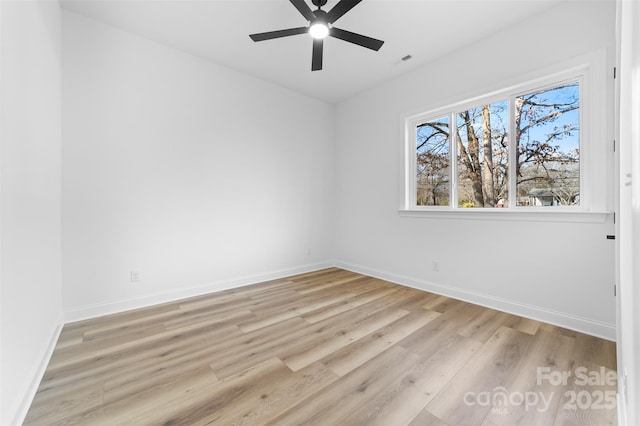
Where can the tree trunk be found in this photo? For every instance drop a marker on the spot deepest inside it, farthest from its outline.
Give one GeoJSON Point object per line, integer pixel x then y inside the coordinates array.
{"type": "Point", "coordinates": [487, 172]}
{"type": "Point", "coordinates": [474, 159]}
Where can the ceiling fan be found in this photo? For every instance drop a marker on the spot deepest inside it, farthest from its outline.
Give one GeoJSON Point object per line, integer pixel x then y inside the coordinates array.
{"type": "Point", "coordinates": [321, 26]}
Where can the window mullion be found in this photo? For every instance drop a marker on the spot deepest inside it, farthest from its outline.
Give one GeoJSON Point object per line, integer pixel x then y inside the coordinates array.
{"type": "Point", "coordinates": [453, 151]}
{"type": "Point", "coordinates": [511, 171]}
{"type": "Point", "coordinates": [413, 167]}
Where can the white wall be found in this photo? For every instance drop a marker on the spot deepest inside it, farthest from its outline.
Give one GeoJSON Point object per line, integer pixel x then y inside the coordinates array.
{"type": "Point", "coordinates": [30, 136]}
{"type": "Point", "coordinates": [558, 272]}
{"type": "Point", "coordinates": [195, 175]}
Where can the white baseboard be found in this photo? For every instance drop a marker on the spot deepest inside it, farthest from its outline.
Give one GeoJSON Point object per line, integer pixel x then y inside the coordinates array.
{"type": "Point", "coordinates": [87, 312]}
{"type": "Point", "coordinates": [561, 319]}
{"type": "Point", "coordinates": [27, 398]}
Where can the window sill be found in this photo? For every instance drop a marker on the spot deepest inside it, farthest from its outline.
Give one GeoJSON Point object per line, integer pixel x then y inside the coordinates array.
{"type": "Point", "coordinates": [518, 215]}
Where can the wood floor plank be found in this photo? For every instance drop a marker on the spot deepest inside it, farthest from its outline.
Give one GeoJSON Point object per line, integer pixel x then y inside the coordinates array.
{"type": "Point", "coordinates": [126, 317]}
{"type": "Point", "coordinates": [121, 364]}
{"type": "Point", "coordinates": [187, 409]}
{"type": "Point", "coordinates": [346, 335]}
{"type": "Point", "coordinates": [594, 350]}
{"type": "Point", "coordinates": [440, 332]}
{"type": "Point", "coordinates": [403, 399]}
{"type": "Point", "coordinates": [256, 347]}
{"type": "Point", "coordinates": [59, 407]}
{"type": "Point", "coordinates": [547, 352]}
{"type": "Point", "coordinates": [115, 336]}
{"type": "Point", "coordinates": [158, 400]}
{"type": "Point", "coordinates": [346, 305]}
{"type": "Point", "coordinates": [327, 347]}
{"type": "Point", "coordinates": [425, 418]}
{"type": "Point", "coordinates": [263, 404]}
{"type": "Point", "coordinates": [97, 349]}
{"type": "Point", "coordinates": [490, 368]}
{"type": "Point", "coordinates": [483, 325]}
{"type": "Point", "coordinates": [441, 304]}
{"type": "Point", "coordinates": [525, 325]}
{"type": "Point", "coordinates": [69, 337]}
{"type": "Point", "coordinates": [357, 353]}
{"type": "Point", "coordinates": [93, 357]}
{"type": "Point", "coordinates": [119, 388]}
{"type": "Point", "coordinates": [297, 309]}
{"type": "Point", "coordinates": [416, 301]}
{"type": "Point", "coordinates": [321, 276]}
{"type": "Point", "coordinates": [354, 281]}
{"type": "Point", "coordinates": [330, 406]}
{"type": "Point", "coordinates": [293, 342]}
{"type": "Point", "coordinates": [221, 319]}
{"type": "Point", "coordinates": [584, 402]}
{"type": "Point", "coordinates": [121, 410]}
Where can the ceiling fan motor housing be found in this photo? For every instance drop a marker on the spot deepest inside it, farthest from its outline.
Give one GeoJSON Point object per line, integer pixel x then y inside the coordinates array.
{"type": "Point", "coordinates": [321, 16]}
{"type": "Point", "coordinates": [319, 3]}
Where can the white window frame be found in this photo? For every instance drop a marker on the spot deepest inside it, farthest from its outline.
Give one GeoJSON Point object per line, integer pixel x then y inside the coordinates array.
{"type": "Point", "coordinates": [596, 150]}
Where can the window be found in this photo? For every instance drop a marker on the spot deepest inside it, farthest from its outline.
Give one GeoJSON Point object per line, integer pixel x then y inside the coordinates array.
{"type": "Point", "coordinates": [432, 162]}
{"type": "Point", "coordinates": [547, 133]}
{"type": "Point", "coordinates": [523, 149]}
{"type": "Point", "coordinates": [482, 139]}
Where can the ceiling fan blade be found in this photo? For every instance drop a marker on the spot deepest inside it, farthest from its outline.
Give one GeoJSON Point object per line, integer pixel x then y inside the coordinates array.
{"type": "Point", "coordinates": [277, 34]}
{"type": "Point", "coordinates": [359, 39]}
{"type": "Point", "coordinates": [340, 9]}
{"type": "Point", "coordinates": [304, 9]}
{"type": "Point", "coordinates": [316, 61]}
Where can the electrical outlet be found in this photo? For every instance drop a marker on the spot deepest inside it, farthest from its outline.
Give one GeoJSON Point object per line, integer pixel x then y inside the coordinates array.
{"type": "Point", "coordinates": [134, 276]}
{"type": "Point", "coordinates": [436, 265]}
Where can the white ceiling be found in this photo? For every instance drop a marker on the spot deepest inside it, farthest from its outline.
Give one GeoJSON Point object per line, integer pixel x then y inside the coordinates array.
{"type": "Point", "coordinates": [218, 30]}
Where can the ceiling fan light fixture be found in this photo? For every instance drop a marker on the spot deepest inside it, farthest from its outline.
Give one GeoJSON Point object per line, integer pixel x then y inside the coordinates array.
{"type": "Point", "coordinates": [321, 26]}
{"type": "Point", "coordinates": [319, 30]}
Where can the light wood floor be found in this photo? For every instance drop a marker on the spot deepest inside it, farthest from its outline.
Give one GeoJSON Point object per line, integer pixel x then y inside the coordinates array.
{"type": "Point", "coordinates": [330, 347]}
